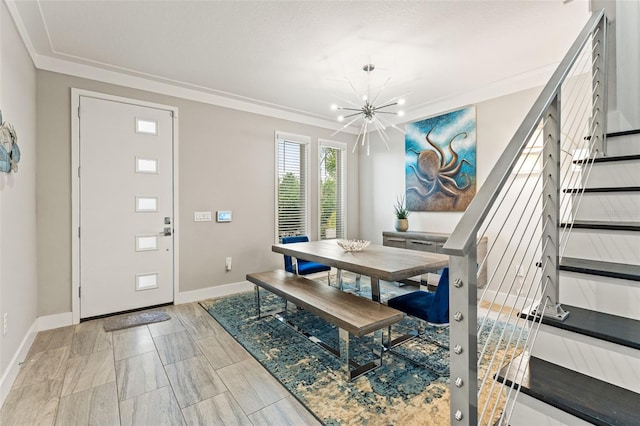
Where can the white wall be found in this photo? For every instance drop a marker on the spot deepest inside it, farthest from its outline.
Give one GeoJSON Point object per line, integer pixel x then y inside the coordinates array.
{"type": "Point", "coordinates": [628, 62]}
{"type": "Point", "coordinates": [226, 162]}
{"type": "Point", "coordinates": [382, 180]}
{"type": "Point", "coordinates": [382, 173]}
{"type": "Point", "coordinates": [18, 285]}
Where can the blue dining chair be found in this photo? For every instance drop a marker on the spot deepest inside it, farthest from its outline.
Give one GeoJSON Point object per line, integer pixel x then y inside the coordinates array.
{"type": "Point", "coordinates": [432, 308]}
{"type": "Point", "coordinates": [302, 267]}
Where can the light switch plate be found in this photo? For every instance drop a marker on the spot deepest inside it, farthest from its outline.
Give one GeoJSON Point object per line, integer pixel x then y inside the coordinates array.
{"type": "Point", "coordinates": [202, 216]}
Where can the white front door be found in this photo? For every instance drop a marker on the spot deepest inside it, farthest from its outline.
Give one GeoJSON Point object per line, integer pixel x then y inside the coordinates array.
{"type": "Point", "coordinates": [126, 250]}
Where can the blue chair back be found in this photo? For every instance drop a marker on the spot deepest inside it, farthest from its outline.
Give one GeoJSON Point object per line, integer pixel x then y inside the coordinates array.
{"type": "Point", "coordinates": [439, 310]}
{"type": "Point", "coordinates": [288, 263]}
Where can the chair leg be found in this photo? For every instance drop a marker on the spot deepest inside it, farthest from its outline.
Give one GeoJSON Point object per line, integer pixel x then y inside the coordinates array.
{"type": "Point", "coordinates": [422, 327]}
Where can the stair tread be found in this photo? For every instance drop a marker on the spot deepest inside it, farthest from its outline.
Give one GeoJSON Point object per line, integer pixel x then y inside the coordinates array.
{"type": "Point", "coordinates": [603, 189]}
{"type": "Point", "coordinates": [601, 224]}
{"type": "Point", "coordinates": [611, 328]}
{"type": "Point", "coordinates": [623, 133]}
{"type": "Point", "coordinates": [585, 397]}
{"type": "Point", "coordinates": [597, 267]}
{"type": "Point", "coordinates": [613, 158]}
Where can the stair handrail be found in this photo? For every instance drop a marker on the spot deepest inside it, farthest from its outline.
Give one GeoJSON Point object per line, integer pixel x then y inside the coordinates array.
{"type": "Point", "coordinates": [544, 120]}
{"type": "Point", "coordinates": [464, 235]}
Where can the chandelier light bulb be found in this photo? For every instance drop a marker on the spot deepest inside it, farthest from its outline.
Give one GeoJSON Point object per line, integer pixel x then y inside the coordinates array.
{"type": "Point", "coordinates": [400, 113]}
{"type": "Point", "coordinates": [401, 102]}
{"type": "Point", "coordinates": [364, 97]}
{"type": "Point", "coordinates": [334, 107]}
{"type": "Point", "coordinates": [341, 118]}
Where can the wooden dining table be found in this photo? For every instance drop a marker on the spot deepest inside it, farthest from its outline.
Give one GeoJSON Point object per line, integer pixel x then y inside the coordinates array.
{"type": "Point", "coordinates": [375, 261]}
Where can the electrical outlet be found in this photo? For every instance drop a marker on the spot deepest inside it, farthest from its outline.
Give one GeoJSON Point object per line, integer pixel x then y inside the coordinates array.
{"type": "Point", "coordinates": [227, 263]}
{"type": "Point", "coordinates": [5, 324]}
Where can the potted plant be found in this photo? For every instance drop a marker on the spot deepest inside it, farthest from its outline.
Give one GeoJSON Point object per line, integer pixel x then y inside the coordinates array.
{"type": "Point", "coordinates": [402, 214]}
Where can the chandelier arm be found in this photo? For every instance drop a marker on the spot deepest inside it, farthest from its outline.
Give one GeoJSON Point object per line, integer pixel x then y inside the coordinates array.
{"type": "Point", "coordinates": [382, 129]}
{"type": "Point", "coordinates": [354, 89]}
{"type": "Point", "coordinates": [386, 112]}
{"type": "Point", "coordinates": [350, 109]}
{"type": "Point", "coordinates": [353, 104]}
{"type": "Point", "coordinates": [392, 125]}
{"type": "Point", "coordinates": [381, 90]}
{"type": "Point", "coordinates": [386, 106]}
{"type": "Point", "coordinates": [355, 146]}
{"type": "Point", "coordinates": [383, 136]}
{"type": "Point", "coordinates": [364, 134]}
{"type": "Point", "coordinates": [345, 126]}
{"type": "Point", "coordinates": [354, 114]}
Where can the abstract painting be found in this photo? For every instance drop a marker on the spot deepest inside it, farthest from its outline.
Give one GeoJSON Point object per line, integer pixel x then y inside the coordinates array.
{"type": "Point", "coordinates": [440, 161]}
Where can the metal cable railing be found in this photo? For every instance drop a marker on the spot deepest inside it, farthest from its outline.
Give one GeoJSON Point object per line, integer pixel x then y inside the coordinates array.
{"type": "Point", "coordinates": [525, 209]}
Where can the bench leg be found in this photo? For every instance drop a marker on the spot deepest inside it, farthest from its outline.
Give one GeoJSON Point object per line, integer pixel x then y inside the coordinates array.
{"type": "Point", "coordinates": [344, 352]}
{"type": "Point", "coordinates": [359, 369]}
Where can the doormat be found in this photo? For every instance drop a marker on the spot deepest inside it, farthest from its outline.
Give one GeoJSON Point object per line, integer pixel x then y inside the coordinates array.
{"type": "Point", "coordinates": [133, 320]}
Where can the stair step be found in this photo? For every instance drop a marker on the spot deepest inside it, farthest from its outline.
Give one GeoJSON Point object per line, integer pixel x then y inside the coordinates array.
{"type": "Point", "coordinates": [611, 328]}
{"type": "Point", "coordinates": [607, 206]}
{"type": "Point", "coordinates": [603, 294]}
{"type": "Point", "coordinates": [623, 143]}
{"type": "Point", "coordinates": [609, 172]}
{"type": "Point", "coordinates": [593, 190]}
{"type": "Point", "coordinates": [603, 269]}
{"type": "Point", "coordinates": [600, 224]}
{"type": "Point", "coordinates": [614, 158]}
{"type": "Point", "coordinates": [602, 245]}
{"type": "Point", "coordinates": [590, 399]}
{"type": "Point", "coordinates": [623, 133]}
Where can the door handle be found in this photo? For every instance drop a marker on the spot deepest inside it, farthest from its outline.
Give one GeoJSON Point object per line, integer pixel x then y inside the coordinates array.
{"type": "Point", "coordinates": [166, 232]}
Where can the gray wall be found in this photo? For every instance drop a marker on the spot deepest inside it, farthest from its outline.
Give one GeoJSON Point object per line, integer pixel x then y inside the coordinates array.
{"type": "Point", "coordinates": [226, 162]}
{"type": "Point", "coordinates": [18, 286]}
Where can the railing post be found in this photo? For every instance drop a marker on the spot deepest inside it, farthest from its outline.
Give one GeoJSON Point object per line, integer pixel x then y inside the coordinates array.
{"type": "Point", "coordinates": [551, 214]}
{"type": "Point", "coordinates": [599, 88]}
{"type": "Point", "coordinates": [463, 307]}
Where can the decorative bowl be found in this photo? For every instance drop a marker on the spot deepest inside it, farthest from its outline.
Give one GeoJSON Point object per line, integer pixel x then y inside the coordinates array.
{"type": "Point", "coordinates": [353, 245]}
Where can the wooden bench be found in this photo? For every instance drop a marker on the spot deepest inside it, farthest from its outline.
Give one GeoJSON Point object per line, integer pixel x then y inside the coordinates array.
{"type": "Point", "coordinates": [353, 315]}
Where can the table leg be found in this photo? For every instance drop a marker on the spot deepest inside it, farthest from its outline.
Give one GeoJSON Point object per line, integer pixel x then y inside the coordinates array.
{"type": "Point", "coordinates": [256, 291]}
{"type": "Point", "coordinates": [375, 289]}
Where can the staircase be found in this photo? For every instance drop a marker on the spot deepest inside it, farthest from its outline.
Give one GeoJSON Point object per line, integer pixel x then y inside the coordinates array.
{"type": "Point", "coordinates": [586, 369]}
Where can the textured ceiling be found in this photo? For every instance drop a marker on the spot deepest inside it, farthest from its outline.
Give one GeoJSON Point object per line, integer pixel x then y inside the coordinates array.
{"type": "Point", "coordinates": [294, 55]}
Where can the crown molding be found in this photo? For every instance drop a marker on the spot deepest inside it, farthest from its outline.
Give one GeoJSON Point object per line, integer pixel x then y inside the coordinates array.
{"type": "Point", "coordinates": [528, 80]}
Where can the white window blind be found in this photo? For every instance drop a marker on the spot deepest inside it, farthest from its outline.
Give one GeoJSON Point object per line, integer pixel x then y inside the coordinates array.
{"type": "Point", "coordinates": [333, 178]}
{"type": "Point", "coordinates": [292, 192]}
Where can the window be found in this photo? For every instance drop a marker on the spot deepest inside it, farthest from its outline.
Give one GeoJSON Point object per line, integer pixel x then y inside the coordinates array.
{"type": "Point", "coordinates": [332, 189]}
{"type": "Point", "coordinates": [292, 192]}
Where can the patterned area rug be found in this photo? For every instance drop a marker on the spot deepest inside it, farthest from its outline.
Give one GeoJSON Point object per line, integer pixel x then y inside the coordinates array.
{"type": "Point", "coordinates": [400, 392]}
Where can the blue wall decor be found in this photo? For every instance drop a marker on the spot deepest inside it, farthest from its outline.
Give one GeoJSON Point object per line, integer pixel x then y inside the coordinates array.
{"type": "Point", "coordinates": [9, 150]}
{"type": "Point", "coordinates": [440, 161]}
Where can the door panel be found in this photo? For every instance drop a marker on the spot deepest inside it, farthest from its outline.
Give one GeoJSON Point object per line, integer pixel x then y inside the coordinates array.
{"type": "Point", "coordinates": [126, 198]}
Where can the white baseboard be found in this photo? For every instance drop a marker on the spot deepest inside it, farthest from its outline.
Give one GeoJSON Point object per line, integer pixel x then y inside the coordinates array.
{"type": "Point", "coordinates": [213, 292]}
{"type": "Point", "coordinates": [49, 322]}
{"type": "Point", "coordinates": [511, 300]}
{"type": "Point", "coordinates": [13, 369]}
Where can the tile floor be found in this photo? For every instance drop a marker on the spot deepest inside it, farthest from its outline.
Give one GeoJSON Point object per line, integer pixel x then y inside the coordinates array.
{"type": "Point", "coordinates": [187, 370]}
